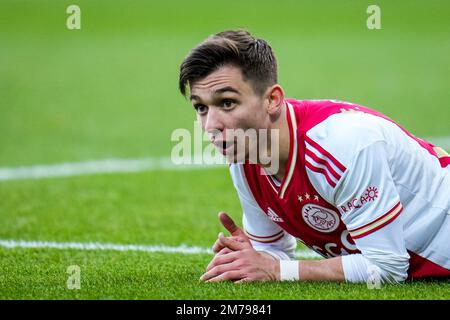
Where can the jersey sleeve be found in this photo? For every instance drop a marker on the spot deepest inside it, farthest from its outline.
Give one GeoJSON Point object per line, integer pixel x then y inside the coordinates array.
{"type": "Point", "coordinates": [347, 162]}
{"type": "Point", "coordinates": [371, 209]}
{"type": "Point", "coordinates": [264, 234]}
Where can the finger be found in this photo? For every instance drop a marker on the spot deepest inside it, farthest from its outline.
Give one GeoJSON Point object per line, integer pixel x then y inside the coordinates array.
{"type": "Point", "coordinates": [243, 280]}
{"type": "Point", "coordinates": [229, 224]}
{"type": "Point", "coordinates": [223, 259]}
{"type": "Point", "coordinates": [223, 251]}
{"type": "Point", "coordinates": [231, 243]}
{"type": "Point", "coordinates": [227, 276]}
{"type": "Point", "coordinates": [219, 245]}
{"type": "Point", "coordinates": [218, 270]}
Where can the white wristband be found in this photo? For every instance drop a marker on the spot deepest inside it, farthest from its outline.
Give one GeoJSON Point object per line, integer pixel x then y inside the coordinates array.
{"type": "Point", "coordinates": [289, 270]}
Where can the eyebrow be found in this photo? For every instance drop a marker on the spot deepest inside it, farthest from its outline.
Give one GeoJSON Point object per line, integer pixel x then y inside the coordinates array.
{"type": "Point", "coordinates": [226, 89]}
{"type": "Point", "coordinates": [217, 92]}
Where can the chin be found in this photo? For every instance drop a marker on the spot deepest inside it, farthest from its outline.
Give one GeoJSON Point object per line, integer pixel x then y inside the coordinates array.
{"type": "Point", "coordinates": [236, 158]}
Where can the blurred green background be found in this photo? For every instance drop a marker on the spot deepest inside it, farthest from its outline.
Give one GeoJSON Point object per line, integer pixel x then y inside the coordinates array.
{"type": "Point", "coordinates": [110, 89]}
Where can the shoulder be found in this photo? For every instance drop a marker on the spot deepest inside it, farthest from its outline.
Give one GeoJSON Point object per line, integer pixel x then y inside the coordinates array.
{"type": "Point", "coordinates": [332, 146]}
{"type": "Point", "coordinates": [342, 135]}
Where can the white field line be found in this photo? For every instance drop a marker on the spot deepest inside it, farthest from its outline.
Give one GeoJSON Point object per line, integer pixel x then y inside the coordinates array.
{"type": "Point", "coordinates": [184, 249]}
{"type": "Point", "coordinates": [95, 167]}
{"type": "Point", "coordinates": [124, 165]}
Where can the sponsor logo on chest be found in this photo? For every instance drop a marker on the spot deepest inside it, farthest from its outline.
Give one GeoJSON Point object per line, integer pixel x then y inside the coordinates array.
{"type": "Point", "coordinates": [320, 218]}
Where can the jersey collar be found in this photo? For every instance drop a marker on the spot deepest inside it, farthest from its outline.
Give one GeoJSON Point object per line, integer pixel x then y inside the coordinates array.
{"type": "Point", "coordinates": [292, 123]}
{"type": "Point", "coordinates": [292, 158]}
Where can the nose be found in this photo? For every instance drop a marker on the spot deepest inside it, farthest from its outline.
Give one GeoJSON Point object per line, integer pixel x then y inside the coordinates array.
{"type": "Point", "coordinates": [213, 123]}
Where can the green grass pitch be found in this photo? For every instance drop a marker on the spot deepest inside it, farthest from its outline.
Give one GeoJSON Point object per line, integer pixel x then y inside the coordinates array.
{"type": "Point", "coordinates": [109, 90]}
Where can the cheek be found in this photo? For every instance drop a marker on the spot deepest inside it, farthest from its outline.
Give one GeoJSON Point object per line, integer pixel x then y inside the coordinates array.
{"type": "Point", "coordinates": [200, 122]}
{"type": "Point", "coordinates": [243, 123]}
{"type": "Point", "coordinates": [256, 110]}
{"type": "Point", "coordinates": [249, 115]}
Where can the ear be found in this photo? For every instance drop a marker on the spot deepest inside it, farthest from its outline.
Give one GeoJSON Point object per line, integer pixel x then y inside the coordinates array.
{"type": "Point", "coordinates": [275, 98]}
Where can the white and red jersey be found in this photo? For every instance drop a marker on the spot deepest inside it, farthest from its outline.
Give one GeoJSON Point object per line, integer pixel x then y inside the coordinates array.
{"type": "Point", "coordinates": [357, 185]}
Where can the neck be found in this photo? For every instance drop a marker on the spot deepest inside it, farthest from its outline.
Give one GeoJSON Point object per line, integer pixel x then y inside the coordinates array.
{"type": "Point", "coordinates": [282, 126]}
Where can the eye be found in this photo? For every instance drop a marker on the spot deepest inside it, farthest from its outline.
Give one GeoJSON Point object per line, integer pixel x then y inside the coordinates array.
{"type": "Point", "coordinates": [228, 103]}
{"type": "Point", "coordinates": [201, 109]}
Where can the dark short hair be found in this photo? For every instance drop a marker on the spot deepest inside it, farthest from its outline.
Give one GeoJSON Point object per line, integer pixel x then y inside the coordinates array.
{"type": "Point", "coordinates": [239, 48]}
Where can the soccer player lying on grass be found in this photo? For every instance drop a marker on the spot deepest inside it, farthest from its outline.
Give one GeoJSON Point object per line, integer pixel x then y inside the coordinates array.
{"type": "Point", "coordinates": [351, 184]}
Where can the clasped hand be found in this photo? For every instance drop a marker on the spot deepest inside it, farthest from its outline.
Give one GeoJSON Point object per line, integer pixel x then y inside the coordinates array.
{"type": "Point", "coordinates": [236, 260]}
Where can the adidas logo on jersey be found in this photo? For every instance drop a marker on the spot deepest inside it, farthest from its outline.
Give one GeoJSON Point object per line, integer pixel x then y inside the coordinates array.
{"type": "Point", "coordinates": [273, 216]}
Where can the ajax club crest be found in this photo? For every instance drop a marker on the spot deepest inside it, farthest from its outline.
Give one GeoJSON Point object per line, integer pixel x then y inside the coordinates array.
{"type": "Point", "coordinates": [320, 218]}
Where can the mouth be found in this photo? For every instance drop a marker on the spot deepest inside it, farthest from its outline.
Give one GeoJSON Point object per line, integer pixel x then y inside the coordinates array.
{"type": "Point", "coordinates": [224, 146]}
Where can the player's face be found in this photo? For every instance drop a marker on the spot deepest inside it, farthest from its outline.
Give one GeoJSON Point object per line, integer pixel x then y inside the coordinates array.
{"type": "Point", "coordinates": [225, 101]}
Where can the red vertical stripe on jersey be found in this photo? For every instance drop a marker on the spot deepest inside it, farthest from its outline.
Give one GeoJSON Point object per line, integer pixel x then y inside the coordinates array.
{"type": "Point", "coordinates": [322, 161]}
{"type": "Point", "coordinates": [325, 153]}
{"type": "Point", "coordinates": [322, 171]}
